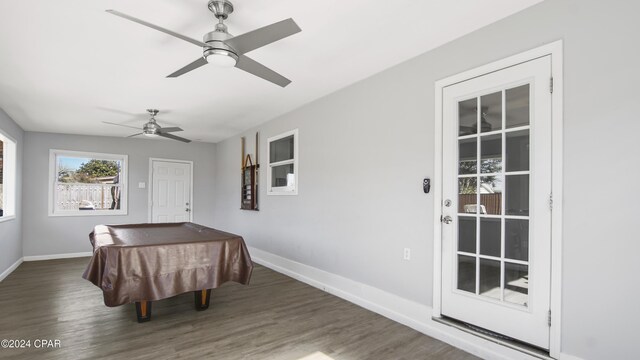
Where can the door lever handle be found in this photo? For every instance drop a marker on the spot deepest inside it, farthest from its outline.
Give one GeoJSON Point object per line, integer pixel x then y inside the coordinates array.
{"type": "Point", "coordinates": [187, 209]}
{"type": "Point", "coordinates": [446, 219]}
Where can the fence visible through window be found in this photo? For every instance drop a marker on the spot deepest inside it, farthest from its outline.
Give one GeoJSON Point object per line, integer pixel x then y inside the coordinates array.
{"type": "Point", "coordinates": [76, 196]}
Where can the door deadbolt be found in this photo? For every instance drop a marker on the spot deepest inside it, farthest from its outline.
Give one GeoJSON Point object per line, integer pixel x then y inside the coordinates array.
{"type": "Point", "coordinates": [447, 203]}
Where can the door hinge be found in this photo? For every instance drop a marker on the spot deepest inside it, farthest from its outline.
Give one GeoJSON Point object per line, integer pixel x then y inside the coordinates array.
{"type": "Point", "coordinates": [551, 85]}
{"type": "Point", "coordinates": [549, 318]}
{"type": "Point", "coordinates": [551, 201]}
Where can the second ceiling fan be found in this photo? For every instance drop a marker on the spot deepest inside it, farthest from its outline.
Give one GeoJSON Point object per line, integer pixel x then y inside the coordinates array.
{"type": "Point", "coordinates": [152, 128]}
{"type": "Point", "coordinates": [221, 48]}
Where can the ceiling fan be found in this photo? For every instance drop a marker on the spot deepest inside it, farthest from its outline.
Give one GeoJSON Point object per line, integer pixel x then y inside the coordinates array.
{"type": "Point", "coordinates": [222, 49]}
{"type": "Point", "coordinates": [153, 129]}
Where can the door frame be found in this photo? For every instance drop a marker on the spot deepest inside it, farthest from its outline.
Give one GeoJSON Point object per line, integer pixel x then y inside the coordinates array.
{"type": "Point", "coordinates": [555, 50]}
{"type": "Point", "coordinates": [150, 191]}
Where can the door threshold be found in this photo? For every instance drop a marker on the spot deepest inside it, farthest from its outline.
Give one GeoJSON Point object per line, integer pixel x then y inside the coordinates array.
{"type": "Point", "coordinates": [496, 338]}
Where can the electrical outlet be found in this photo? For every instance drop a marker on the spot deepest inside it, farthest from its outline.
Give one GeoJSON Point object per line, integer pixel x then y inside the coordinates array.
{"type": "Point", "coordinates": [407, 254]}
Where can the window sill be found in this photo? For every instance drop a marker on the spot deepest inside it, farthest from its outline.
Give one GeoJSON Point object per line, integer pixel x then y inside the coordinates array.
{"type": "Point", "coordinates": [7, 218]}
{"type": "Point", "coordinates": [290, 192]}
{"type": "Point", "coordinates": [89, 213]}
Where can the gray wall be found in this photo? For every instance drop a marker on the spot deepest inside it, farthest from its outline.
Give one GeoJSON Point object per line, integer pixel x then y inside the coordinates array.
{"type": "Point", "coordinates": [365, 149]}
{"type": "Point", "coordinates": [11, 230]}
{"type": "Point", "coordinates": [45, 235]}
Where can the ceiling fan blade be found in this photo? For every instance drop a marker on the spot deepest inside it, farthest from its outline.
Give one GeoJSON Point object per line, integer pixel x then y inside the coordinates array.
{"type": "Point", "coordinates": [117, 111]}
{"type": "Point", "coordinates": [169, 136]}
{"type": "Point", "coordinates": [135, 135]}
{"type": "Point", "coordinates": [156, 27]}
{"type": "Point", "coordinates": [131, 114]}
{"type": "Point", "coordinates": [194, 65]}
{"type": "Point", "coordinates": [253, 67]}
{"type": "Point", "coordinates": [263, 36]}
{"type": "Point", "coordinates": [133, 127]}
{"type": "Point", "coordinates": [170, 129]}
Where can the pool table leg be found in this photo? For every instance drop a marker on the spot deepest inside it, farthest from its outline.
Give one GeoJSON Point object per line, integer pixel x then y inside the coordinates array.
{"type": "Point", "coordinates": [143, 311]}
{"type": "Point", "coordinates": [202, 298]}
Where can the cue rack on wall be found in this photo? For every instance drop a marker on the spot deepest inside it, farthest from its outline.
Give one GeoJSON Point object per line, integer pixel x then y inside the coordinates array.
{"type": "Point", "coordinates": [249, 190]}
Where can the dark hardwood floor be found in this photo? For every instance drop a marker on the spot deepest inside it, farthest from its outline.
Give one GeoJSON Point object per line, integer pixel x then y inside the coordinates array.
{"type": "Point", "coordinates": [275, 317]}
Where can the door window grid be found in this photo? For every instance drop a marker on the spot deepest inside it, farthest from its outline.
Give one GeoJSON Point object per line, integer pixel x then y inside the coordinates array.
{"type": "Point", "coordinates": [480, 213]}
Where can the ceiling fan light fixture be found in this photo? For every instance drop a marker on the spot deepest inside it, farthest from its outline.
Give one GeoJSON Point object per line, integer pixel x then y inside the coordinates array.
{"type": "Point", "coordinates": [221, 58]}
{"type": "Point", "coordinates": [151, 128]}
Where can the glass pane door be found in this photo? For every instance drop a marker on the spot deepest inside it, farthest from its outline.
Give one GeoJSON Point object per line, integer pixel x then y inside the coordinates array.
{"type": "Point", "coordinates": [493, 195]}
{"type": "Point", "coordinates": [496, 183]}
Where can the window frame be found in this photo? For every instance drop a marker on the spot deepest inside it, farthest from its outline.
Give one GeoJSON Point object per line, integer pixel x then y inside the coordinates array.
{"type": "Point", "coordinates": [283, 190]}
{"type": "Point", "coordinates": [9, 176]}
{"type": "Point", "coordinates": [53, 178]}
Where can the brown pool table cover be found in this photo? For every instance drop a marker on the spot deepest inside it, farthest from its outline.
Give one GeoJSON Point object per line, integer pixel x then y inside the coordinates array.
{"type": "Point", "coordinates": [155, 261]}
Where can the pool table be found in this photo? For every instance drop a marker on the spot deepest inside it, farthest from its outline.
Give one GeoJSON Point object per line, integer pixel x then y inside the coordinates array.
{"type": "Point", "coordinates": [141, 263]}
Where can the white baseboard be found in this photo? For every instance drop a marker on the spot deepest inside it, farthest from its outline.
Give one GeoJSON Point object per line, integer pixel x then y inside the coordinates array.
{"type": "Point", "coordinates": [564, 356]}
{"type": "Point", "coordinates": [57, 256]}
{"type": "Point", "coordinates": [10, 269]}
{"type": "Point", "coordinates": [41, 257]}
{"type": "Point", "coordinates": [412, 314]}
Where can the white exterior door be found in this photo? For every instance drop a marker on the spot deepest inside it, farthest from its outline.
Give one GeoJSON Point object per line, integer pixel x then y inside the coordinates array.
{"type": "Point", "coordinates": [496, 229]}
{"type": "Point", "coordinates": [171, 191]}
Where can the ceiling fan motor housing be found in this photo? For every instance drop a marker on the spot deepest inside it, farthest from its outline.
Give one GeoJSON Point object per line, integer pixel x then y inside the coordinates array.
{"type": "Point", "coordinates": [215, 40]}
{"type": "Point", "coordinates": [151, 128]}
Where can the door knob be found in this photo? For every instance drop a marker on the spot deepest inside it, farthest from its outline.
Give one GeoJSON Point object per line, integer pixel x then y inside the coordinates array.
{"type": "Point", "coordinates": [447, 219]}
{"type": "Point", "coordinates": [187, 209]}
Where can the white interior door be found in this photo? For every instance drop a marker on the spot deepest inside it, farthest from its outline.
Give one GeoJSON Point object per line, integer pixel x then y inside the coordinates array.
{"type": "Point", "coordinates": [171, 191]}
{"type": "Point", "coordinates": [496, 230]}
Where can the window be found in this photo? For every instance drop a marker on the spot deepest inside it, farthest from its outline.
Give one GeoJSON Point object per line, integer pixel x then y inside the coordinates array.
{"type": "Point", "coordinates": [7, 177]}
{"type": "Point", "coordinates": [282, 172]}
{"type": "Point", "coordinates": [87, 183]}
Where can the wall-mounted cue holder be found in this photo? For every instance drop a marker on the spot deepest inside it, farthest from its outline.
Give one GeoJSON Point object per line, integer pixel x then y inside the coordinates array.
{"type": "Point", "coordinates": [249, 186]}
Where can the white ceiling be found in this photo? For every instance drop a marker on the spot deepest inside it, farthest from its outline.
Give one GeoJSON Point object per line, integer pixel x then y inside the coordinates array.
{"type": "Point", "coordinates": [66, 65]}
